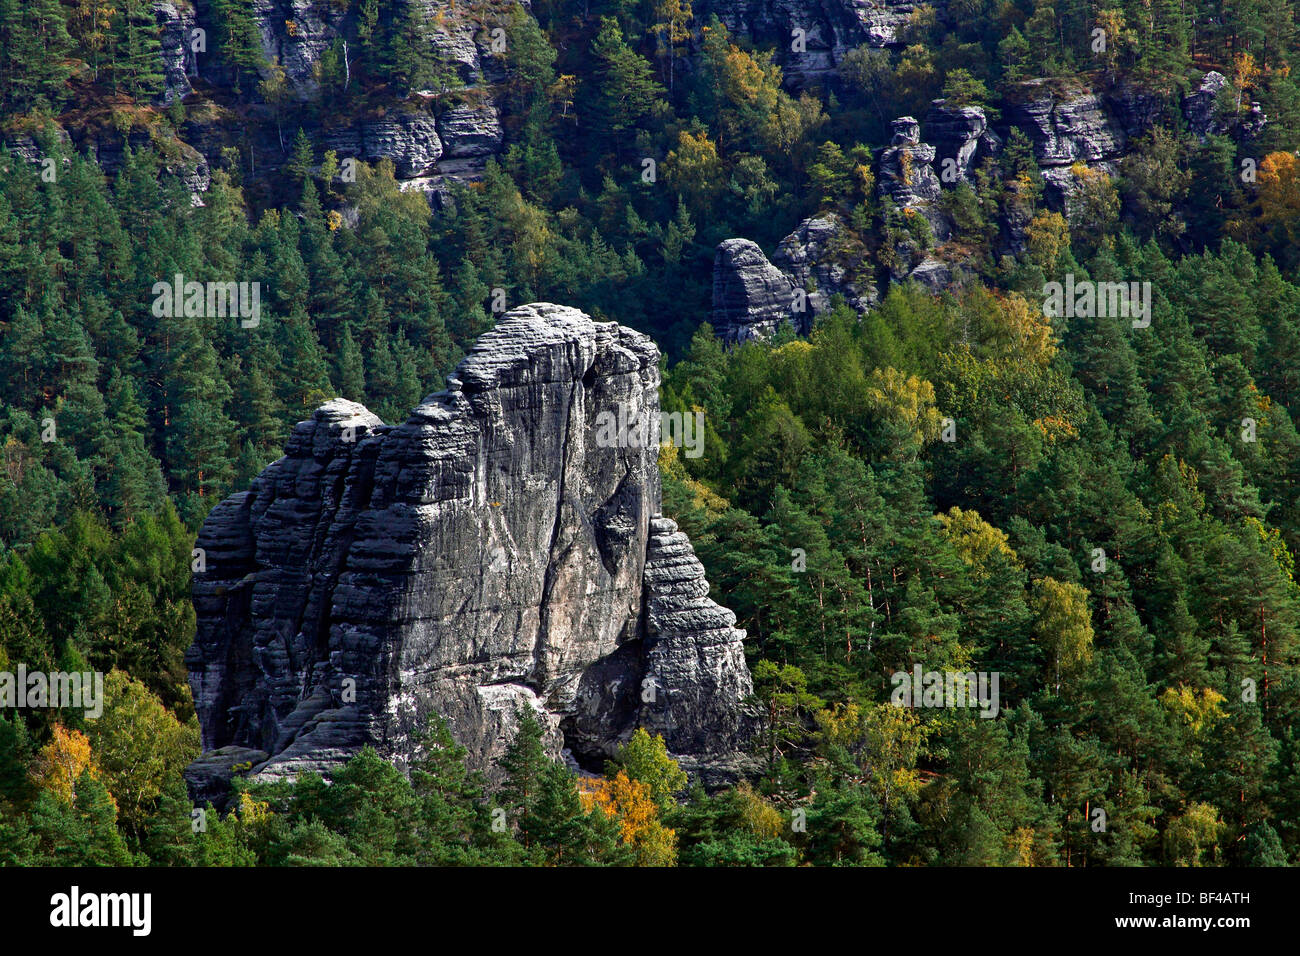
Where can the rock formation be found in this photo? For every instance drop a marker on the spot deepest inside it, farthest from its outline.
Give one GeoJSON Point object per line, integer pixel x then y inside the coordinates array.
{"type": "Point", "coordinates": [907, 177]}
{"type": "Point", "coordinates": [1205, 117]}
{"type": "Point", "coordinates": [830, 29]}
{"type": "Point", "coordinates": [960, 134]}
{"type": "Point", "coordinates": [176, 25]}
{"type": "Point", "coordinates": [1065, 129]}
{"type": "Point", "coordinates": [408, 137]}
{"type": "Point", "coordinates": [752, 297]}
{"type": "Point", "coordinates": [491, 552]}
{"type": "Point", "coordinates": [822, 257]}
{"type": "Point", "coordinates": [429, 148]}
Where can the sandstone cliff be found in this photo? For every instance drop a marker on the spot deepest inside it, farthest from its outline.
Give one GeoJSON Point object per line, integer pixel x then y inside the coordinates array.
{"type": "Point", "coordinates": [491, 552]}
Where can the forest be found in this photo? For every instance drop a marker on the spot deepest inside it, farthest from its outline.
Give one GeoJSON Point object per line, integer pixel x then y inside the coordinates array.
{"type": "Point", "coordinates": [1103, 515]}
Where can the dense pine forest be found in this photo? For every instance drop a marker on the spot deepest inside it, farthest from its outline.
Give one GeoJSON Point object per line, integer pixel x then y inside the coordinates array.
{"type": "Point", "coordinates": [1103, 513]}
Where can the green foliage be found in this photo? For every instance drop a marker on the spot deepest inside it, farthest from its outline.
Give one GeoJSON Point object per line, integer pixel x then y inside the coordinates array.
{"type": "Point", "coordinates": [1100, 534]}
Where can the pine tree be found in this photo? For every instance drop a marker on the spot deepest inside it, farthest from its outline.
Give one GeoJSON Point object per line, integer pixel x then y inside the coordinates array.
{"type": "Point", "coordinates": [34, 46]}
{"type": "Point", "coordinates": [137, 64]}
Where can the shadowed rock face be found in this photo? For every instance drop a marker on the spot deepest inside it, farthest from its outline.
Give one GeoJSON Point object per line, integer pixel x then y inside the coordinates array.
{"type": "Point", "coordinates": [485, 554]}
{"type": "Point", "coordinates": [751, 297]}
{"type": "Point", "coordinates": [830, 29]}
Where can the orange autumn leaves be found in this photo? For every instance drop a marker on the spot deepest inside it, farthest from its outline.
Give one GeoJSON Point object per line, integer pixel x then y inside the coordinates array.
{"type": "Point", "coordinates": [637, 796]}
{"type": "Point", "coordinates": [632, 804]}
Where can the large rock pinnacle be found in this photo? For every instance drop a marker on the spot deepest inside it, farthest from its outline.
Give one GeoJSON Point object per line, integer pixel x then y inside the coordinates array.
{"type": "Point", "coordinates": [491, 552]}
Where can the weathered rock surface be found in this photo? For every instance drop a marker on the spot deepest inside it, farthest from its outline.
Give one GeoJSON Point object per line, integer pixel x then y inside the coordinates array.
{"type": "Point", "coordinates": [821, 257]}
{"type": "Point", "coordinates": [694, 657]}
{"type": "Point", "coordinates": [960, 134]}
{"type": "Point", "coordinates": [940, 275]}
{"type": "Point", "coordinates": [470, 130]}
{"type": "Point", "coordinates": [1065, 129]}
{"type": "Point", "coordinates": [751, 297]}
{"type": "Point", "coordinates": [830, 28]}
{"type": "Point", "coordinates": [907, 177]}
{"type": "Point", "coordinates": [176, 23]}
{"type": "Point", "coordinates": [485, 554]}
{"type": "Point", "coordinates": [1205, 116]}
{"type": "Point", "coordinates": [408, 137]}
{"type": "Point", "coordinates": [1199, 106]}
{"type": "Point", "coordinates": [107, 146]}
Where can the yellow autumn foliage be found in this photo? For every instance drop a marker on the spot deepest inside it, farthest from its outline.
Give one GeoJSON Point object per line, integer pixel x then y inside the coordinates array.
{"type": "Point", "coordinates": [632, 803]}
{"type": "Point", "coordinates": [62, 761]}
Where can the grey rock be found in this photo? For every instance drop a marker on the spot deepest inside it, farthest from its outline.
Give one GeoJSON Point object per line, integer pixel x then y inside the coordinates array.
{"type": "Point", "coordinates": [1136, 108]}
{"type": "Point", "coordinates": [695, 657]}
{"type": "Point", "coordinates": [1206, 118]}
{"type": "Point", "coordinates": [470, 130]}
{"type": "Point", "coordinates": [26, 145]}
{"type": "Point", "coordinates": [960, 134]}
{"type": "Point", "coordinates": [486, 554]}
{"type": "Point", "coordinates": [107, 146]}
{"type": "Point", "coordinates": [822, 258]}
{"type": "Point", "coordinates": [175, 26]}
{"type": "Point", "coordinates": [751, 297]}
{"type": "Point", "coordinates": [408, 137]}
{"type": "Point", "coordinates": [1199, 106]}
{"type": "Point", "coordinates": [1066, 128]}
{"type": "Point", "coordinates": [831, 28]}
{"type": "Point", "coordinates": [938, 275]}
{"type": "Point", "coordinates": [906, 176]}
{"type": "Point", "coordinates": [295, 34]}
{"type": "Point", "coordinates": [209, 776]}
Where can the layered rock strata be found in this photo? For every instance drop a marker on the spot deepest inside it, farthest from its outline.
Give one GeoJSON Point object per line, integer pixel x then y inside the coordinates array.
{"type": "Point", "coordinates": [492, 552]}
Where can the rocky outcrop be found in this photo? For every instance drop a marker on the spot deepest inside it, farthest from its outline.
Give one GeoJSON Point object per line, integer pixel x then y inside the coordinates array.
{"type": "Point", "coordinates": [940, 275]}
{"type": "Point", "coordinates": [107, 146]}
{"type": "Point", "coordinates": [752, 297]}
{"type": "Point", "coordinates": [408, 137]}
{"type": "Point", "coordinates": [694, 656]}
{"type": "Point", "coordinates": [907, 177]}
{"type": "Point", "coordinates": [1066, 128]}
{"type": "Point", "coordinates": [824, 259]}
{"type": "Point", "coordinates": [1200, 105]}
{"type": "Point", "coordinates": [829, 28]}
{"type": "Point", "coordinates": [1207, 116]}
{"type": "Point", "coordinates": [820, 259]}
{"type": "Point", "coordinates": [176, 23]}
{"type": "Point", "coordinates": [470, 130]}
{"type": "Point", "coordinates": [961, 137]}
{"type": "Point", "coordinates": [493, 551]}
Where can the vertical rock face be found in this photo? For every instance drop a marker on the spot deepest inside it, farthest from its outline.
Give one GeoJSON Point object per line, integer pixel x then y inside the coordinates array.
{"type": "Point", "coordinates": [694, 653]}
{"type": "Point", "coordinates": [830, 28]}
{"type": "Point", "coordinates": [175, 27]}
{"type": "Point", "coordinates": [751, 297]}
{"type": "Point", "coordinates": [823, 258]}
{"type": "Point", "coordinates": [408, 137]}
{"type": "Point", "coordinates": [490, 552]}
{"type": "Point", "coordinates": [1207, 117]}
{"type": "Point", "coordinates": [1067, 128]}
{"type": "Point", "coordinates": [906, 175]}
{"type": "Point", "coordinates": [960, 134]}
